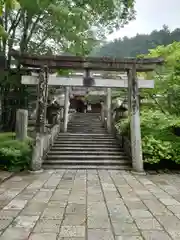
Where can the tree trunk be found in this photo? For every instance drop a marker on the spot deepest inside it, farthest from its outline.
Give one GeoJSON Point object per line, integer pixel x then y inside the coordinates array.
{"type": "Point", "coordinates": [12, 99]}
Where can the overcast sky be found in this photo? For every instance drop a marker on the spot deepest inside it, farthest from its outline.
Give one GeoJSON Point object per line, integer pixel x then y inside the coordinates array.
{"type": "Point", "coordinates": [151, 14]}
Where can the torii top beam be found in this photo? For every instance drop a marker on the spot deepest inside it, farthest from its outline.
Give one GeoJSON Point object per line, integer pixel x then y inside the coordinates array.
{"type": "Point", "coordinates": [92, 63]}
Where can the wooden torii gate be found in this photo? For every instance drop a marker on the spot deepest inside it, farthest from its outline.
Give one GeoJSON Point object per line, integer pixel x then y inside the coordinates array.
{"type": "Point", "coordinates": [129, 65]}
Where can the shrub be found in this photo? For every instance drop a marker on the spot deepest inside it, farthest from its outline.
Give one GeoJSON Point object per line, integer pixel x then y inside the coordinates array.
{"type": "Point", "coordinates": [14, 155]}
{"type": "Point", "coordinates": [160, 145]}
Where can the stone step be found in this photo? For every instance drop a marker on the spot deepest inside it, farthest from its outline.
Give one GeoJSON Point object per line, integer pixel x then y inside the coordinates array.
{"type": "Point", "coordinates": [85, 123]}
{"type": "Point", "coordinates": [86, 141]}
{"type": "Point", "coordinates": [85, 131]}
{"type": "Point", "coordinates": [82, 145]}
{"type": "Point", "coordinates": [87, 157]}
{"type": "Point", "coordinates": [62, 153]}
{"type": "Point", "coordinates": [85, 134]}
{"type": "Point", "coordinates": [85, 138]}
{"type": "Point", "coordinates": [81, 129]}
{"type": "Point", "coordinates": [84, 162]}
{"type": "Point", "coordinates": [87, 167]}
{"type": "Point", "coordinates": [95, 135]}
{"type": "Point", "coordinates": [82, 120]}
{"type": "Point", "coordinates": [86, 127]}
{"type": "Point", "coordinates": [86, 148]}
{"type": "Point", "coordinates": [92, 122]}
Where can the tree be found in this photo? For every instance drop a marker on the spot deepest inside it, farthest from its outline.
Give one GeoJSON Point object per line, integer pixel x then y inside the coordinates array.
{"type": "Point", "coordinates": [139, 44]}
{"type": "Point", "coordinates": [167, 78]}
{"type": "Point", "coordinates": [53, 27]}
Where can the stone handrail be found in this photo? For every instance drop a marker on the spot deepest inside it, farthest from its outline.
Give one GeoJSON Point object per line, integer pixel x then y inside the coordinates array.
{"type": "Point", "coordinates": [43, 142]}
{"type": "Point", "coordinates": [127, 146]}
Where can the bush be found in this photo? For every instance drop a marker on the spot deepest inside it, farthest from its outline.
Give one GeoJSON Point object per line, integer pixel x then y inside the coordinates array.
{"type": "Point", "coordinates": [160, 145]}
{"type": "Point", "coordinates": [14, 155]}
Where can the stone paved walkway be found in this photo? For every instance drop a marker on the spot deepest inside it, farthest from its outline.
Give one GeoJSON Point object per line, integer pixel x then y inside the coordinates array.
{"type": "Point", "coordinates": [93, 205]}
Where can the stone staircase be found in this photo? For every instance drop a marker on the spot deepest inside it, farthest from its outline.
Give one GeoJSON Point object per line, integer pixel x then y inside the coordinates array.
{"type": "Point", "coordinates": [87, 145]}
{"type": "Point", "coordinates": [86, 123]}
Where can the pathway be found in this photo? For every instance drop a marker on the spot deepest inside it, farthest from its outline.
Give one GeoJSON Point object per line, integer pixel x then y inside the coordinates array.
{"type": "Point", "coordinates": [117, 205]}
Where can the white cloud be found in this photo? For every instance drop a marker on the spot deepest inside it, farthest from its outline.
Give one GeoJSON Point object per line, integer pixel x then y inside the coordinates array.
{"type": "Point", "coordinates": [151, 14]}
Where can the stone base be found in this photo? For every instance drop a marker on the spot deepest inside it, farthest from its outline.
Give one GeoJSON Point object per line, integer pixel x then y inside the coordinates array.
{"type": "Point", "coordinates": [138, 173]}
{"type": "Point", "coordinates": [36, 172]}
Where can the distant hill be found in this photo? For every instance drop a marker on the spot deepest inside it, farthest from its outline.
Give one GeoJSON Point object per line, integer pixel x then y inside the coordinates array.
{"type": "Point", "coordinates": [140, 44]}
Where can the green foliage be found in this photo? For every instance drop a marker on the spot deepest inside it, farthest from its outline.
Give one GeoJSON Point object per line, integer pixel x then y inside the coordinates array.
{"type": "Point", "coordinates": [159, 143]}
{"type": "Point", "coordinates": [54, 26]}
{"type": "Point", "coordinates": [167, 78]}
{"type": "Point", "coordinates": [14, 155]}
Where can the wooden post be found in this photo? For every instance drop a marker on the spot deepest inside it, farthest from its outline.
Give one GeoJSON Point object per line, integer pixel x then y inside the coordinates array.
{"type": "Point", "coordinates": [21, 124]}
{"type": "Point", "coordinates": [108, 111]}
{"type": "Point", "coordinates": [136, 147]}
{"type": "Point", "coordinates": [66, 108]}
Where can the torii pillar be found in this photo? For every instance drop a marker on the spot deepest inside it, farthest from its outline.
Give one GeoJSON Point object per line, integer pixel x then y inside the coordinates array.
{"type": "Point", "coordinates": [133, 105]}
{"type": "Point", "coordinates": [108, 110]}
{"type": "Point", "coordinates": [66, 108]}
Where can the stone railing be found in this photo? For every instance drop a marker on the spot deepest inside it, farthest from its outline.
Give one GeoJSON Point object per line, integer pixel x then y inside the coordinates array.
{"type": "Point", "coordinates": [127, 146]}
{"type": "Point", "coordinates": [124, 142]}
{"type": "Point", "coordinates": [43, 142]}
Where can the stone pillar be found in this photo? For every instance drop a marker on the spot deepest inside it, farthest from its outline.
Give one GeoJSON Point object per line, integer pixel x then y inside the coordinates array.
{"type": "Point", "coordinates": [21, 124]}
{"type": "Point", "coordinates": [42, 100]}
{"type": "Point", "coordinates": [36, 163]}
{"type": "Point", "coordinates": [102, 113]}
{"type": "Point", "coordinates": [108, 110]}
{"type": "Point", "coordinates": [137, 160]}
{"type": "Point", "coordinates": [46, 78]}
{"type": "Point", "coordinates": [61, 118]}
{"type": "Point", "coordinates": [37, 156]}
{"type": "Point", "coordinates": [66, 108]}
{"type": "Point", "coordinates": [129, 73]}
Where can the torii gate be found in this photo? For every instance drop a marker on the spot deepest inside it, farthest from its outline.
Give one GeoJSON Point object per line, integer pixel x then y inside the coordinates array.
{"type": "Point", "coordinates": [129, 65]}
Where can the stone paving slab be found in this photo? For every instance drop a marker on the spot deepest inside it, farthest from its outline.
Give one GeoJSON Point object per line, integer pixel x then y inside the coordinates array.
{"type": "Point", "coordinates": [5, 176]}
{"type": "Point", "coordinates": [90, 205]}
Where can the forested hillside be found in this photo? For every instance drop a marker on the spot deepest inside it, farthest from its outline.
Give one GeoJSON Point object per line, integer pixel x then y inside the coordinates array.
{"type": "Point", "coordinates": [140, 44]}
